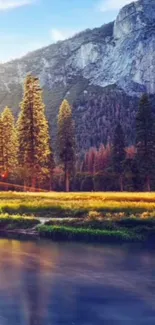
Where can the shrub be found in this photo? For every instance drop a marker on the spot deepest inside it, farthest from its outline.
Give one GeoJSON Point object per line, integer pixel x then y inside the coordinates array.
{"type": "Point", "coordinates": [94, 215]}
{"type": "Point", "coordinates": [147, 215]}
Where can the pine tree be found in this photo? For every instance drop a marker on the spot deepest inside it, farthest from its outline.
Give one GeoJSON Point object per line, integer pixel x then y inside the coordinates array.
{"type": "Point", "coordinates": [118, 153]}
{"type": "Point", "coordinates": [1, 148]}
{"type": "Point", "coordinates": [131, 152]}
{"type": "Point", "coordinates": [103, 158]}
{"type": "Point", "coordinates": [33, 134]}
{"type": "Point", "coordinates": [50, 166]}
{"type": "Point", "coordinates": [90, 160]}
{"type": "Point", "coordinates": [145, 140]}
{"type": "Point", "coordinates": [9, 143]}
{"type": "Point", "coordinates": [66, 140]}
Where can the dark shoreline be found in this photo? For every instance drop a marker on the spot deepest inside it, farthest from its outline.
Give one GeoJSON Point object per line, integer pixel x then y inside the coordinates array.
{"type": "Point", "coordinates": [80, 230]}
{"type": "Point", "coordinates": [86, 237]}
{"type": "Point", "coordinates": [19, 234]}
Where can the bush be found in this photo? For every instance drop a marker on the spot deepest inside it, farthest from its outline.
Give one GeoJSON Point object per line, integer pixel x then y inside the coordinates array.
{"type": "Point", "coordinates": [94, 215]}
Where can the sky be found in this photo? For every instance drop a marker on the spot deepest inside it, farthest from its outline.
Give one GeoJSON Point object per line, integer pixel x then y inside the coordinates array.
{"type": "Point", "coordinates": [26, 25]}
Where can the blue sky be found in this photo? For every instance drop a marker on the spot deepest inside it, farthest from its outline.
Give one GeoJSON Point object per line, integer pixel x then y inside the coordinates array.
{"type": "Point", "coordinates": [26, 25]}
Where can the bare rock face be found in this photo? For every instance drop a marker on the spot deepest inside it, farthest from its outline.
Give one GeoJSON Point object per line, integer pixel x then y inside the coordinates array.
{"type": "Point", "coordinates": [134, 32]}
{"type": "Point", "coordinates": [119, 56]}
{"type": "Point", "coordinates": [122, 53]}
{"type": "Point", "coordinates": [134, 17]}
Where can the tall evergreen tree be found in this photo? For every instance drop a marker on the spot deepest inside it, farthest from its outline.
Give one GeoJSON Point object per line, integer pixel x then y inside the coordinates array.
{"type": "Point", "coordinates": [9, 144]}
{"type": "Point", "coordinates": [33, 134]}
{"type": "Point", "coordinates": [145, 140]}
{"type": "Point", "coordinates": [118, 153]}
{"type": "Point", "coordinates": [1, 148]}
{"type": "Point", "coordinates": [66, 141]}
{"type": "Point", "coordinates": [50, 166]}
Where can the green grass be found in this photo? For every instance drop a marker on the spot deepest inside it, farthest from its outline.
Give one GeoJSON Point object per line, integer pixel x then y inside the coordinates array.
{"type": "Point", "coordinates": [81, 234]}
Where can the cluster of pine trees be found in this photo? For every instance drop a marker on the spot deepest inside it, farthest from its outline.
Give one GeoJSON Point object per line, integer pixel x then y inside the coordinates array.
{"type": "Point", "coordinates": [26, 155]}
{"type": "Point", "coordinates": [116, 167]}
{"type": "Point", "coordinates": [27, 158]}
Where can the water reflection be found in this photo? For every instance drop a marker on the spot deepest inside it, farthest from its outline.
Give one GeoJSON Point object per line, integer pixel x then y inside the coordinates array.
{"type": "Point", "coordinates": [44, 283]}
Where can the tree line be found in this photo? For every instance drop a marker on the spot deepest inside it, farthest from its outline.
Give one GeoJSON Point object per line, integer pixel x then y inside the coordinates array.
{"type": "Point", "coordinates": [115, 167]}
{"type": "Point", "coordinates": [27, 157]}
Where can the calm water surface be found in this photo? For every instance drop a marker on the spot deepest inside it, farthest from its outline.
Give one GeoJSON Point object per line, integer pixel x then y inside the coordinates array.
{"type": "Point", "coordinates": [44, 283]}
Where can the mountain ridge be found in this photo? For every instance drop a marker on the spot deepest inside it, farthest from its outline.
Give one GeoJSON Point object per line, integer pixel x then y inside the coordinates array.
{"type": "Point", "coordinates": [102, 72]}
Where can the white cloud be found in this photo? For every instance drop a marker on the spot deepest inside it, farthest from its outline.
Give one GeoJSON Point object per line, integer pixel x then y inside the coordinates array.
{"type": "Point", "coordinates": [15, 46]}
{"type": "Point", "coordinates": [109, 5]}
{"type": "Point", "coordinates": [11, 4]}
{"type": "Point", "coordinates": [60, 35]}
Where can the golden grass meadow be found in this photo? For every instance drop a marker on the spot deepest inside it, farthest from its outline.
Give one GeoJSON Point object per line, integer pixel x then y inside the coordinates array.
{"type": "Point", "coordinates": [53, 204]}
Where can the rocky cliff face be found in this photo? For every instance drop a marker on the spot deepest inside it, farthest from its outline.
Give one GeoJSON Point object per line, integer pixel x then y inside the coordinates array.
{"type": "Point", "coordinates": [102, 72]}
{"type": "Point", "coordinates": [134, 32]}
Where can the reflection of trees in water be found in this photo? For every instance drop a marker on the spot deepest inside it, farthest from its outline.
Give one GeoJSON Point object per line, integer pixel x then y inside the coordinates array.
{"type": "Point", "coordinates": [25, 275]}
{"type": "Point", "coordinates": [10, 290]}
{"type": "Point", "coordinates": [39, 294]}
{"type": "Point", "coordinates": [36, 286]}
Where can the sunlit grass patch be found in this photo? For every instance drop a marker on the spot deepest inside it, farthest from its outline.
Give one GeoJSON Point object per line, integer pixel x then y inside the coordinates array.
{"type": "Point", "coordinates": [76, 204]}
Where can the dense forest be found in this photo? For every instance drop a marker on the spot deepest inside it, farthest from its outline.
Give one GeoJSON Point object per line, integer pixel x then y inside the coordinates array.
{"type": "Point", "coordinates": [28, 163]}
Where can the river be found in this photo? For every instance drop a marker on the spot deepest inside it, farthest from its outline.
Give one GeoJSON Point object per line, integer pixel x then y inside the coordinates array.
{"type": "Point", "coordinates": [46, 283]}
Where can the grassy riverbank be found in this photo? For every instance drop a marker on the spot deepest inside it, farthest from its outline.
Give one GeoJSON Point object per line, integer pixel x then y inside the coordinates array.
{"type": "Point", "coordinates": [88, 235]}
{"type": "Point", "coordinates": [99, 217]}
{"type": "Point", "coordinates": [96, 228]}
{"type": "Point", "coordinates": [119, 230]}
